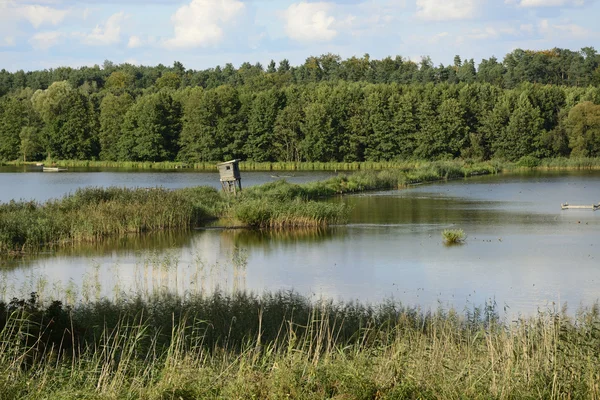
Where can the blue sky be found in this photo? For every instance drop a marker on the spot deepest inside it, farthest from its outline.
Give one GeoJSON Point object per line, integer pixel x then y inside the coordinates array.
{"type": "Point", "coordinates": [40, 34]}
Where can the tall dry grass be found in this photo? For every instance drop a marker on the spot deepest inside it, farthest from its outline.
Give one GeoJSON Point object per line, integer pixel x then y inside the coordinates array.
{"type": "Point", "coordinates": [285, 346]}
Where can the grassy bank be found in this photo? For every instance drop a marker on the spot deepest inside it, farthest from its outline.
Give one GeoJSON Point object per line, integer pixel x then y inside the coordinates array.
{"type": "Point", "coordinates": [574, 163]}
{"type": "Point", "coordinates": [285, 346]}
{"type": "Point", "coordinates": [244, 165]}
{"type": "Point", "coordinates": [94, 213]}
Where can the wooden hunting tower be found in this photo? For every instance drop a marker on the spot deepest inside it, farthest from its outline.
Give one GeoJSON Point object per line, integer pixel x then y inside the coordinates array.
{"type": "Point", "coordinates": [231, 180]}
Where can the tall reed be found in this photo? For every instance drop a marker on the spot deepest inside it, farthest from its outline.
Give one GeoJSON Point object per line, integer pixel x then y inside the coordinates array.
{"type": "Point", "coordinates": [93, 213]}
{"type": "Point", "coordinates": [283, 345]}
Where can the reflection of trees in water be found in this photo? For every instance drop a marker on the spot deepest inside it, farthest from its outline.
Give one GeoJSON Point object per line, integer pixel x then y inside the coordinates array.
{"type": "Point", "coordinates": [442, 210]}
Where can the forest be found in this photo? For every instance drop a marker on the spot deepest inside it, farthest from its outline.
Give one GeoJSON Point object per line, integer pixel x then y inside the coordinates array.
{"type": "Point", "coordinates": [530, 104]}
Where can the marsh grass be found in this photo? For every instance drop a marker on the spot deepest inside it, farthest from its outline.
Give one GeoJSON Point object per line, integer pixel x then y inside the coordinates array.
{"type": "Point", "coordinates": [283, 345]}
{"type": "Point", "coordinates": [91, 214]}
{"type": "Point", "coordinates": [262, 213]}
{"type": "Point", "coordinates": [454, 236]}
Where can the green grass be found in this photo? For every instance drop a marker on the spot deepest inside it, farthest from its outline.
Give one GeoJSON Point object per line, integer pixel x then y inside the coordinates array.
{"type": "Point", "coordinates": [282, 345]}
{"type": "Point", "coordinates": [91, 214]}
{"type": "Point", "coordinates": [465, 166]}
{"type": "Point", "coordinates": [454, 236]}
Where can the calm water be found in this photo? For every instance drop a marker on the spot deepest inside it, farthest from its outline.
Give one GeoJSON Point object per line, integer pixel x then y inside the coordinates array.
{"type": "Point", "coordinates": [522, 251]}
{"type": "Point", "coordinates": [31, 183]}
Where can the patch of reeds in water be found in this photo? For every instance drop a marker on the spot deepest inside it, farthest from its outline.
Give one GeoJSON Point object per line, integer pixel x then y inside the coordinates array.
{"type": "Point", "coordinates": [92, 213]}
{"type": "Point", "coordinates": [285, 346]}
{"type": "Point", "coordinates": [263, 213]}
{"type": "Point", "coordinates": [454, 236]}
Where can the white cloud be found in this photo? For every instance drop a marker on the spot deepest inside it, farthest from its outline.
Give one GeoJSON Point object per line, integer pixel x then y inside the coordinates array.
{"type": "Point", "coordinates": [110, 33]}
{"type": "Point", "coordinates": [430, 39]}
{"type": "Point", "coordinates": [436, 38]}
{"type": "Point", "coordinates": [491, 33]}
{"type": "Point", "coordinates": [134, 41]}
{"type": "Point", "coordinates": [307, 22]}
{"type": "Point", "coordinates": [7, 41]}
{"type": "Point", "coordinates": [547, 3]}
{"type": "Point", "coordinates": [201, 22]}
{"type": "Point", "coordinates": [39, 15]}
{"type": "Point", "coordinates": [563, 30]}
{"type": "Point", "coordinates": [45, 40]}
{"type": "Point", "coordinates": [527, 28]}
{"type": "Point", "coordinates": [443, 10]}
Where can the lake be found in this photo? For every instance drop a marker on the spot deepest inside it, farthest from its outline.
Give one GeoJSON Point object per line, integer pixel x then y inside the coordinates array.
{"type": "Point", "coordinates": [28, 182]}
{"type": "Point", "coordinates": [522, 251]}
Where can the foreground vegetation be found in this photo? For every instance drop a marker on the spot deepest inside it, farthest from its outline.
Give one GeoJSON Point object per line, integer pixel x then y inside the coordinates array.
{"type": "Point", "coordinates": [94, 213]}
{"type": "Point", "coordinates": [284, 346]}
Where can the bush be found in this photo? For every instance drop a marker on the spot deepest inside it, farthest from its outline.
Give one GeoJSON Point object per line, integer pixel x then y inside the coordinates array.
{"type": "Point", "coordinates": [528, 162]}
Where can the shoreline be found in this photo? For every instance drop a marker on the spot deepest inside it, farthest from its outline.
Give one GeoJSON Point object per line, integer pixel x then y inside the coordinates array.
{"type": "Point", "coordinates": [528, 163]}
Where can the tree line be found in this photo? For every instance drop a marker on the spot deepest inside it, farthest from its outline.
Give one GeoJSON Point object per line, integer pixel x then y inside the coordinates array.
{"type": "Point", "coordinates": [541, 104]}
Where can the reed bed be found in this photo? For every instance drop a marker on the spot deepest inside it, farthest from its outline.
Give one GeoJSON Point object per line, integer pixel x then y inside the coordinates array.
{"type": "Point", "coordinates": [283, 345]}
{"type": "Point", "coordinates": [558, 163]}
{"type": "Point", "coordinates": [454, 236]}
{"type": "Point", "coordinates": [93, 213]}
{"type": "Point", "coordinates": [263, 213]}
{"type": "Point", "coordinates": [261, 166]}
{"type": "Point", "coordinates": [580, 163]}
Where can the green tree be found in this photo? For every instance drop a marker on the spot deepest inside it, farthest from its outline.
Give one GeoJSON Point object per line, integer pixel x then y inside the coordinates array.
{"type": "Point", "coordinates": [112, 115]}
{"type": "Point", "coordinates": [119, 81]}
{"type": "Point", "coordinates": [583, 128]}
{"type": "Point", "coordinates": [523, 133]}
{"type": "Point", "coordinates": [30, 145]}
{"type": "Point", "coordinates": [14, 114]}
{"type": "Point", "coordinates": [151, 129]}
{"type": "Point", "coordinates": [318, 143]}
{"type": "Point", "coordinates": [214, 125]}
{"type": "Point", "coordinates": [261, 124]}
{"type": "Point", "coordinates": [383, 139]}
{"type": "Point", "coordinates": [169, 80]}
{"type": "Point", "coordinates": [288, 133]}
{"type": "Point", "coordinates": [69, 122]}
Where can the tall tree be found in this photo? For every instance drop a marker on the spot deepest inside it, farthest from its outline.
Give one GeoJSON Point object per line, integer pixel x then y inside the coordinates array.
{"type": "Point", "coordinates": [524, 130]}
{"type": "Point", "coordinates": [583, 128]}
{"type": "Point", "coordinates": [112, 115]}
{"type": "Point", "coordinates": [261, 123]}
{"type": "Point", "coordinates": [70, 122]}
{"type": "Point", "coordinates": [151, 129]}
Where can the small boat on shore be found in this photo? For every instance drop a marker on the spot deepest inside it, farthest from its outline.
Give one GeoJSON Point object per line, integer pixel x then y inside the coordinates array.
{"type": "Point", "coordinates": [567, 206]}
{"type": "Point", "coordinates": [282, 176]}
{"type": "Point", "coordinates": [53, 169]}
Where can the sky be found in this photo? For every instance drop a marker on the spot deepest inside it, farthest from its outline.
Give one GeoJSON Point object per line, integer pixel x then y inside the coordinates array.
{"type": "Point", "coordinates": [42, 34]}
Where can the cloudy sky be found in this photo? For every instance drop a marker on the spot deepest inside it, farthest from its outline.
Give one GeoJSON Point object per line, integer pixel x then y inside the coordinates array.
{"type": "Point", "coordinates": [40, 34]}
